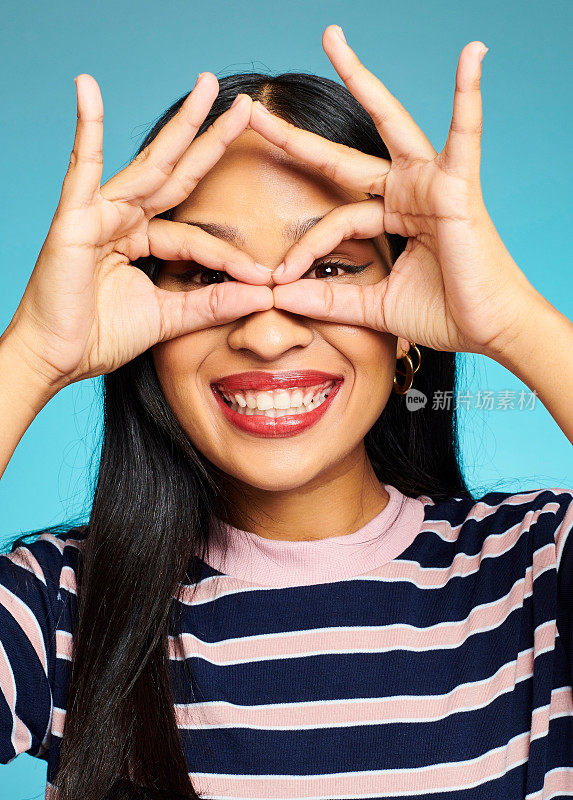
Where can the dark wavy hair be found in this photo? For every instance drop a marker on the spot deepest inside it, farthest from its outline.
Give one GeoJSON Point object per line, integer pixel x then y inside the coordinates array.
{"type": "Point", "coordinates": [155, 496]}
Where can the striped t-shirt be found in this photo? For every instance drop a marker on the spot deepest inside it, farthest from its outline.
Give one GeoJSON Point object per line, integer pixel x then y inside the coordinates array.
{"type": "Point", "coordinates": [426, 654]}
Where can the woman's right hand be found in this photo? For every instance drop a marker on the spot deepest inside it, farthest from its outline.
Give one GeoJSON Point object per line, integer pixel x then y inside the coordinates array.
{"type": "Point", "coordinates": [86, 309]}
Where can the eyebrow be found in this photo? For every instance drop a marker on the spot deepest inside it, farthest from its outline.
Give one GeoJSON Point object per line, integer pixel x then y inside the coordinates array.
{"type": "Point", "coordinates": [291, 232]}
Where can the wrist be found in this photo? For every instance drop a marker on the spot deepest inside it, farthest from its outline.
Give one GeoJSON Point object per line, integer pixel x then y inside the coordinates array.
{"type": "Point", "coordinates": [531, 343]}
{"type": "Point", "coordinates": [20, 376]}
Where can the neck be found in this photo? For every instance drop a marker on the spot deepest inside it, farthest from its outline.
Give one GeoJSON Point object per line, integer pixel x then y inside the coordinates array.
{"type": "Point", "coordinates": [344, 498]}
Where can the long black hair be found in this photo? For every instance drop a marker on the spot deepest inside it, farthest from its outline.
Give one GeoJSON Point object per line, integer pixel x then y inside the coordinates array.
{"type": "Point", "coordinates": [156, 495]}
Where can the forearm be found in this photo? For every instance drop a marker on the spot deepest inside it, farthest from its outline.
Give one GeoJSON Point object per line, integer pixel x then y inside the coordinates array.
{"type": "Point", "coordinates": [23, 394]}
{"type": "Point", "coordinates": [541, 355]}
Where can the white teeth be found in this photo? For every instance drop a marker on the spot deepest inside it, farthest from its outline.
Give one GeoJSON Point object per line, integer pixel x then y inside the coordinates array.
{"type": "Point", "coordinates": [280, 399]}
{"type": "Point", "coordinates": [281, 412]}
{"type": "Point", "coordinates": [281, 402]}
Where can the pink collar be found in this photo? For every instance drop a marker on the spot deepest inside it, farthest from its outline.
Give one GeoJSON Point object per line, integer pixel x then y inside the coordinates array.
{"type": "Point", "coordinates": [275, 562]}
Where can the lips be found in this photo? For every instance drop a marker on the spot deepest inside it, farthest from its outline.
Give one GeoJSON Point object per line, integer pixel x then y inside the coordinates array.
{"type": "Point", "coordinates": [267, 381]}
{"type": "Point", "coordinates": [289, 425]}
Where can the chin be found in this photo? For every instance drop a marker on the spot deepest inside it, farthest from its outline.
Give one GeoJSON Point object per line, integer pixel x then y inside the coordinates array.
{"type": "Point", "coordinates": [276, 480]}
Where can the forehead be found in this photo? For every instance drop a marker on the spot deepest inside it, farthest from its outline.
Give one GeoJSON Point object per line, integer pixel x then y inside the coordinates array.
{"type": "Point", "coordinates": [257, 188]}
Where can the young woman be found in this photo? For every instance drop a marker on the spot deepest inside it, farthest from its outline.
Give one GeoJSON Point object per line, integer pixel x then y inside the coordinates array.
{"type": "Point", "coordinates": [285, 588]}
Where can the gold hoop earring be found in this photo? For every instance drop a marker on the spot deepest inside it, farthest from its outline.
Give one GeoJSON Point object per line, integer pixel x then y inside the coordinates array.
{"type": "Point", "coordinates": [410, 370]}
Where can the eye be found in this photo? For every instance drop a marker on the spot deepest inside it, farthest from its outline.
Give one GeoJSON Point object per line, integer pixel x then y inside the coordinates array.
{"type": "Point", "coordinates": [330, 266]}
{"type": "Point", "coordinates": [202, 276]}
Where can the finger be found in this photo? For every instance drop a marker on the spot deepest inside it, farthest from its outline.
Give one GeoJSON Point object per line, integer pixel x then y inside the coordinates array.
{"type": "Point", "coordinates": [345, 303]}
{"type": "Point", "coordinates": [199, 157]}
{"type": "Point", "coordinates": [363, 219]}
{"type": "Point", "coordinates": [184, 312]}
{"type": "Point", "coordinates": [343, 165]}
{"type": "Point", "coordinates": [151, 168]}
{"type": "Point", "coordinates": [462, 151]}
{"type": "Point", "coordinates": [402, 136]}
{"type": "Point", "coordinates": [83, 178]}
{"type": "Point", "coordinates": [177, 241]}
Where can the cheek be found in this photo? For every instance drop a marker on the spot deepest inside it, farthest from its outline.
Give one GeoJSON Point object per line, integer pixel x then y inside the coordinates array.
{"type": "Point", "coordinates": [372, 354]}
{"type": "Point", "coordinates": [371, 357]}
{"type": "Point", "coordinates": [177, 363]}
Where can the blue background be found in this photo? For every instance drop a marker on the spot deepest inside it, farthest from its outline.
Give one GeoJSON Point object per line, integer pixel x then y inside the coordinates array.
{"type": "Point", "coordinates": [145, 55]}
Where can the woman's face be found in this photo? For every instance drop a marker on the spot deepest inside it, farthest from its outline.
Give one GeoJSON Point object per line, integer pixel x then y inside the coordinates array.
{"type": "Point", "coordinates": [264, 194]}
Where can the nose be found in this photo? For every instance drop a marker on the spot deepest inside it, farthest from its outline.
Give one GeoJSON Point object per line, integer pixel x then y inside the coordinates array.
{"type": "Point", "coordinates": [270, 334]}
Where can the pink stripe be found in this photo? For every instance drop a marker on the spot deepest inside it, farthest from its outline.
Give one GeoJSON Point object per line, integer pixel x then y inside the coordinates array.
{"type": "Point", "coordinates": [64, 641]}
{"type": "Point", "coordinates": [21, 738]}
{"type": "Point", "coordinates": [27, 621]}
{"type": "Point", "coordinates": [68, 579]}
{"type": "Point", "coordinates": [58, 721]}
{"type": "Point", "coordinates": [544, 638]}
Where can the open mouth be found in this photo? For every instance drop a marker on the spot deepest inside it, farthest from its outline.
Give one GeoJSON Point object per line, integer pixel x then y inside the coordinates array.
{"type": "Point", "coordinates": [279, 402]}
{"type": "Point", "coordinates": [281, 412]}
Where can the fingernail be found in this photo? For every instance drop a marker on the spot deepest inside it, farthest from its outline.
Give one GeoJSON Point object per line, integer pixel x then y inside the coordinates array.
{"type": "Point", "coordinates": [262, 107]}
{"type": "Point", "coordinates": [340, 32]}
{"type": "Point", "coordinates": [279, 271]}
{"type": "Point", "coordinates": [236, 100]}
{"type": "Point", "coordinates": [483, 54]}
{"type": "Point", "coordinates": [199, 76]}
{"type": "Point", "coordinates": [266, 271]}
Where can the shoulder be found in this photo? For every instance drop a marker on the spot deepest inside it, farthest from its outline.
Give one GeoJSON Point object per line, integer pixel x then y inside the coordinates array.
{"type": "Point", "coordinates": [546, 511]}
{"type": "Point", "coordinates": [36, 566]}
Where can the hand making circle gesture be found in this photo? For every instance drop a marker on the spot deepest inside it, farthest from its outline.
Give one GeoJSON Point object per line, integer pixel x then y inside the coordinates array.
{"type": "Point", "coordinates": [455, 287]}
{"type": "Point", "coordinates": [87, 309]}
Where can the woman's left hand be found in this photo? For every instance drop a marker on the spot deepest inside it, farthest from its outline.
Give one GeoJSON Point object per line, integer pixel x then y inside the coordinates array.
{"type": "Point", "coordinates": [455, 287]}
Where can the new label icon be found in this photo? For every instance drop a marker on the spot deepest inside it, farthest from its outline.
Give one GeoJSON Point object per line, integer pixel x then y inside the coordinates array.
{"type": "Point", "coordinates": [415, 399]}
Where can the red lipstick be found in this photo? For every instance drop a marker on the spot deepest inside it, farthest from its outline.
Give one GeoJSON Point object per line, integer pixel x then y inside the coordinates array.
{"type": "Point", "coordinates": [267, 381]}
{"type": "Point", "coordinates": [261, 425]}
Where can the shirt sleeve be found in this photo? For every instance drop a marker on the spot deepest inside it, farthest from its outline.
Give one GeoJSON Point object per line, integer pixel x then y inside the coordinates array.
{"type": "Point", "coordinates": [28, 584]}
{"type": "Point", "coordinates": [564, 550]}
